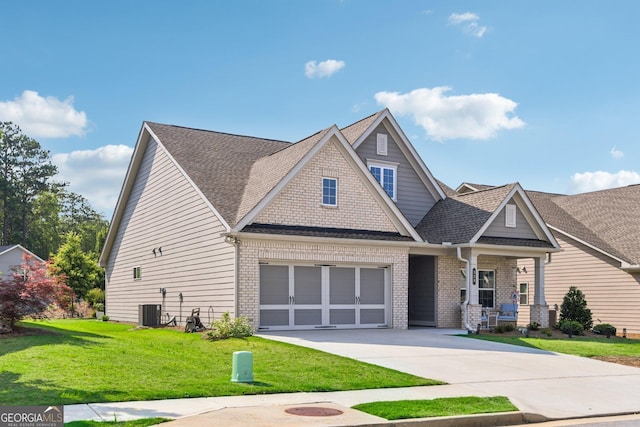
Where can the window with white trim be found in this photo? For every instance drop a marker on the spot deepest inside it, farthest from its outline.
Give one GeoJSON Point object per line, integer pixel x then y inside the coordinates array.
{"type": "Point", "coordinates": [137, 273]}
{"type": "Point", "coordinates": [329, 191]}
{"type": "Point", "coordinates": [524, 294]}
{"type": "Point", "coordinates": [487, 288]}
{"type": "Point", "coordinates": [385, 174]}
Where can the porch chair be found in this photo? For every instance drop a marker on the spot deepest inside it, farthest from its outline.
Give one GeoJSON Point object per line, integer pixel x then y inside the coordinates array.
{"type": "Point", "coordinates": [508, 313]}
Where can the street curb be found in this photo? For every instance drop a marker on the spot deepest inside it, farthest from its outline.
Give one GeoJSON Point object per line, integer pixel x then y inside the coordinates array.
{"type": "Point", "coordinates": [480, 420]}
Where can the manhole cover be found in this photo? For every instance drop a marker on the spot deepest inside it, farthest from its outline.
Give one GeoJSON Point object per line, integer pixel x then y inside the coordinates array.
{"type": "Point", "coordinates": [313, 411]}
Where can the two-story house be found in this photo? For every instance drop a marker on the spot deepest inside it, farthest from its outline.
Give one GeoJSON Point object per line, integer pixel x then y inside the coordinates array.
{"type": "Point", "coordinates": [346, 228]}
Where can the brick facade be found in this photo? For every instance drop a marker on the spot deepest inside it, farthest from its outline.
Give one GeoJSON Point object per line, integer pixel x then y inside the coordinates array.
{"type": "Point", "coordinates": [300, 202]}
{"type": "Point", "coordinates": [251, 252]}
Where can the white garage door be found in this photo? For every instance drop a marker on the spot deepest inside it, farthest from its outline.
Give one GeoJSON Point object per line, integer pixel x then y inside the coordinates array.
{"type": "Point", "coordinates": [308, 297]}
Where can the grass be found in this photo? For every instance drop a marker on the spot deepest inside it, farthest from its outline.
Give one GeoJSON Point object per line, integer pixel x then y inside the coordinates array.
{"type": "Point", "coordinates": [445, 407]}
{"type": "Point", "coordinates": [143, 422]}
{"type": "Point", "coordinates": [83, 361]}
{"type": "Point", "coordinates": [578, 346]}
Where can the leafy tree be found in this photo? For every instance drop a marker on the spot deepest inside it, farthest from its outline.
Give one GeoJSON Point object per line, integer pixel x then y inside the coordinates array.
{"type": "Point", "coordinates": [81, 270]}
{"type": "Point", "coordinates": [29, 291]}
{"type": "Point", "coordinates": [25, 172]}
{"type": "Point", "coordinates": [574, 307]}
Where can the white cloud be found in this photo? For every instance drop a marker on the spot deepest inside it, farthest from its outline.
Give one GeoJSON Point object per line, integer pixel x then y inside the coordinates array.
{"type": "Point", "coordinates": [615, 153]}
{"type": "Point", "coordinates": [470, 23]}
{"type": "Point", "coordinates": [95, 174]}
{"type": "Point", "coordinates": [312, 69]}
{"type": "Point", "coordinates": [593, 181]}
{"type": "Point", "coordinates": [475, 116]}
{"type": "Point", "coordinates": [44, 117]}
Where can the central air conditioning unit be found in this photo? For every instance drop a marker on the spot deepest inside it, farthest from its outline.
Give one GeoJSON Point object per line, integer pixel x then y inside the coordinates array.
{"type": "Point", "coordinates": [149, 314]}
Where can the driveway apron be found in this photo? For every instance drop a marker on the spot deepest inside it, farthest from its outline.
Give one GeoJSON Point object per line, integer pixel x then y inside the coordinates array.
{"type": "Point", "coordinates": [539, 382]}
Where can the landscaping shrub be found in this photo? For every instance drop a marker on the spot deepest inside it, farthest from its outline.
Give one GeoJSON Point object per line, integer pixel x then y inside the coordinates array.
{"type": "Point", "coordinates": [505, 327]}
{"type": "Point", "coordinates": [105, 318]}
{"type": "Point", "coordinates": [574, 307]}
{"type": "Point", "coordinates": [546, 331]}
{"type": "Point", "coordinates": [230, 328]}
{"type": "Point", "coordinates": [603, 328]}
{"type": "Point", "coordinates": [571, 327]}
{"type": "Point", "coordinates": [533, 326]}
{"type": "Point", "coordinates": [94, 297]}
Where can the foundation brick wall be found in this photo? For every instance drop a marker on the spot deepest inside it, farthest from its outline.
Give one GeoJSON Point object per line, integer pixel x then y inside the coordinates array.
{"type": "Point", "coordinates": [253, 251]}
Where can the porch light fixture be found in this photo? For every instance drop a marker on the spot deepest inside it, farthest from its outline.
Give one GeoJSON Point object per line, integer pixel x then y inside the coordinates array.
{"type": "Point", "coordinates": [473, 275]}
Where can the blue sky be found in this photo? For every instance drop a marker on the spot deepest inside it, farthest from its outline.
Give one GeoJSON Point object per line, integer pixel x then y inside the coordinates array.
{"type": "Point", "coordinates": [544, 93]}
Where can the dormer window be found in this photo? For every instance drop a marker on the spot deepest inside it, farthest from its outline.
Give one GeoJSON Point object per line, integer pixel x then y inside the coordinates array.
{"type": "Point", "coordinates": [385, 174]}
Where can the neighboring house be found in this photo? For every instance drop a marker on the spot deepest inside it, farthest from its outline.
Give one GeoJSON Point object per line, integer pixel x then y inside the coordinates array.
{"type": "Point", "coordinates": [344, 229]}
{"type": "Point", "coordinates": [599, 233]}
{"type": "Point", "coordinates": [11, 257]}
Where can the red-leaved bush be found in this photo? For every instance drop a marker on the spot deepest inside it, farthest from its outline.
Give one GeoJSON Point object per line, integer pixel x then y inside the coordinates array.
{"type": "Point", "coordinates": [29, 290]}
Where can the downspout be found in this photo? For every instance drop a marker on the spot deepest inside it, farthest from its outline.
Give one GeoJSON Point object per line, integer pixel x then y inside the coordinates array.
{"type": "Point", "coordinates": [236, 266]}
{"type": "Point", "coordinates": [465, 304]}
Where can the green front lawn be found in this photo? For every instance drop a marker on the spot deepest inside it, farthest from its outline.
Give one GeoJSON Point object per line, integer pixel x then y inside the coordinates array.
{"type": "Point", "coordinates": [578, 346]}
{"type": "Point", "coordinates": [82, 361]}
{"type": "Point", "coordinates": [444, 407]}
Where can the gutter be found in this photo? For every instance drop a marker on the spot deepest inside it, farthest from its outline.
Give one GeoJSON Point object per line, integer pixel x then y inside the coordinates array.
{"type": "Point", "coordinates": [465, 304]}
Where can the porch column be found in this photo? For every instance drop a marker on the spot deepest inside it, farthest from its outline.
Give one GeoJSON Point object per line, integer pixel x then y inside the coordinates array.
{"type": "Point", "coordinates": [474, 310]}
{"type": "Point", "coordinates": [539, 310]}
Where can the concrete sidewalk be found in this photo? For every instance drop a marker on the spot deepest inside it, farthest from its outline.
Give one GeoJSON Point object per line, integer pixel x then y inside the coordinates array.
{"type": "Point", "coordinates": [537, 382]}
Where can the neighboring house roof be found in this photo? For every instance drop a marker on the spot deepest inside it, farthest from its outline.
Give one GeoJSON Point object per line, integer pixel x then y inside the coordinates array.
{"type": "Point", "coordinates": [607, 220]}
{"type": "Point", "coordinates": [467, 187]}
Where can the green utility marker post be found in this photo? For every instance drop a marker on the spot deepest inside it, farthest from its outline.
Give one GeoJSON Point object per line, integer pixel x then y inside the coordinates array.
{"type": "Point", "coordinates": [242, 367]}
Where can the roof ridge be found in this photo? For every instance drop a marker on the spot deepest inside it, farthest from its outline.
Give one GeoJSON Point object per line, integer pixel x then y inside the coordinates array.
{"type": "Point", "coordinates": [217, 132]}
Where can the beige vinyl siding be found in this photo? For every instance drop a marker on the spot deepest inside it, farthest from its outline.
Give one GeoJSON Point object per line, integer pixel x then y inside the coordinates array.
{"type": "Point", "coordinates": [164, 211]}
{"type": "Point", "coordinates": [413, 199]}
{"type": "Point", "coordinates": [300, 202]}
{"type": "Point", "coordinates": [612, 294]}
{"type": "Point", "coordinates": [522, 230]}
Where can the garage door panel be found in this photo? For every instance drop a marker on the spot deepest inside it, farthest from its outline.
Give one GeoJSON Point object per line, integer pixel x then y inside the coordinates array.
{"type": "Point", "coordinates": [372, 316]}
{"type": "Point", "coordinates": [274, 284]}
{"type": "Point", "coordinates": [342, 316]}
{"type": "Point", "coordinates": [274, 317]}
{"type": "Point", "coordinates": [307, 285]}
{"type": "Point", "coordinates": [342, 285]}
{"type": "Point", "coordinates": [306, 317]}
{"type": "Point", "coordinates": [372, 286]}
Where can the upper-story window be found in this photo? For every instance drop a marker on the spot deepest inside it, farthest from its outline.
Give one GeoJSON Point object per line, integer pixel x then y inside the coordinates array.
{"type": "Point", "coordinates": [329, 191]}
{"type": "Point", "coordinates": [385, 174]}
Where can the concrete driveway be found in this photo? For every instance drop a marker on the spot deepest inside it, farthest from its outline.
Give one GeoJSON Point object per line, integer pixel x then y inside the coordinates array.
{"type": "Point", "coordinates": [538, 382]}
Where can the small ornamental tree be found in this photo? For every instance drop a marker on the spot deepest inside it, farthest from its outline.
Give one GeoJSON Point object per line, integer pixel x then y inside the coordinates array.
{"type": "Point", "coordinates": [29, 290]}
{"type": "Point", "coordinates": [574, 307]}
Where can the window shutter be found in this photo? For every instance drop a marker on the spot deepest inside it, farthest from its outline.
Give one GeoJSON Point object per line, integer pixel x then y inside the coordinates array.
{"type": "Point", "coordinates": [381, 146]}
{"type": "Point", "coordinates": [510, 216]}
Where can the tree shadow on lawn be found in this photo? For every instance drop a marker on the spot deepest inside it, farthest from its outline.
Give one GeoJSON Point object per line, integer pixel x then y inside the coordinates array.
{"type": "Point", "coordinates": [33, 336]}
{"type": "Point", "coordinates": [42, 392]}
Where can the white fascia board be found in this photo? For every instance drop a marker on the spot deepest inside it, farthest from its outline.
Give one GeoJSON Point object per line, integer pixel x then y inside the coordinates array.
{"type": "Point", "coordinates": [125, 190]}
{"type": "Point", "coordinates": [623, 264]}
{"type": "Point", "coordinates": [284, 181]}
{"type": "Point", "coordinates": [191, 183]}
{"type": "Point", "coordinates": [408, 150]}
{"type": "Point", "coordinates": [506, 250]}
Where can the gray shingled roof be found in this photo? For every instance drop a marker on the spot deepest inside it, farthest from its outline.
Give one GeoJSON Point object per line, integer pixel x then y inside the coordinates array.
{"type": "Point", "coordinates": [607, 219]}
{"type": "Point", "coordinates": [344, 233]}
{"type": "Point", "coordinates": [218, 163]}
{"type": "Point", "coordinates": [355, 130]}
{"type": "Point", "coordinates": [268, 171]}
{"type": "Point", "coordinates": [459, 217]}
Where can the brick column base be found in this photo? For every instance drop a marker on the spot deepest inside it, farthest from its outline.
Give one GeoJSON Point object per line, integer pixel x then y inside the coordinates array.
{"type": "Point", "coordinates": [540, 314]}
{"type": "Point", "coordinates": [474, 314]}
